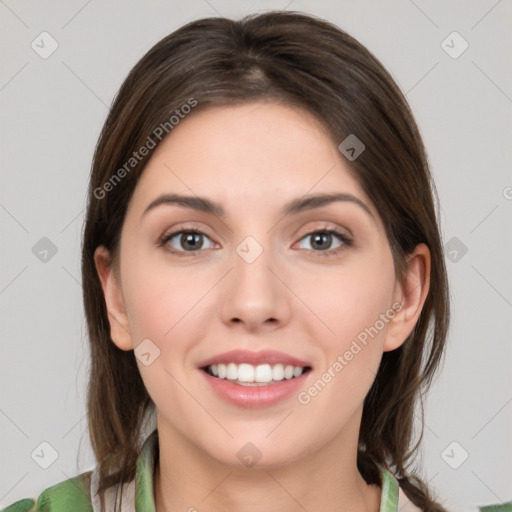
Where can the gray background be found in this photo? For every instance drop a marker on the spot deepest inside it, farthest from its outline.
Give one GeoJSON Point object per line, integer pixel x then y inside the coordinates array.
{"type": "Point", "coordinates": [52, 112]}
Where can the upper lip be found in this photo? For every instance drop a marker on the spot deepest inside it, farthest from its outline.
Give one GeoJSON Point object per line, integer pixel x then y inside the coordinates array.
{"type": "Point", "coordinates": [254, 358]}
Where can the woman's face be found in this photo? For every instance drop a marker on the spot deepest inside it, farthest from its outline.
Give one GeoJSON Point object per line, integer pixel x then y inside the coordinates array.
{"type": "Point", "coordinates": [256, 278]}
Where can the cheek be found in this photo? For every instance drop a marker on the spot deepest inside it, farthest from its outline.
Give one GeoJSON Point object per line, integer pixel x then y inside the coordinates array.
{"type": "Point", "coordinates": [161, 299]}
{"type": "Point", "coordinates": [161, 305]}
{"type": "Point", "coordinates": [350, 300]}
{"type": "Point", "coordinates": [360, 316]}
{"type": "Point", "coordinates": [353, 305]}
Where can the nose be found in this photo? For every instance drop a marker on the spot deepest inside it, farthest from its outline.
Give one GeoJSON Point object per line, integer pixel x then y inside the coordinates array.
{"type": "Point", "coordinates": [255, 294]}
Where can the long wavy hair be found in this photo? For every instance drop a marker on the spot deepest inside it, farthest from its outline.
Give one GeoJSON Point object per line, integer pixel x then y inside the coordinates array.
{"type": "Point", "coordinates": [298, 60]}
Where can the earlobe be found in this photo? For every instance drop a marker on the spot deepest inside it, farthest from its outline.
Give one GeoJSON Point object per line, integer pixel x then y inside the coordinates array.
{"type": "Point", "coordinates": [411, 293]}
{"type": "Point", "coordinates": [118, 319]}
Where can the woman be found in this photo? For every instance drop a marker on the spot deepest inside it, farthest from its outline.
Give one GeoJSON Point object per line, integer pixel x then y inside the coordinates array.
{"type": "Point", "coordinates": [263, 276]}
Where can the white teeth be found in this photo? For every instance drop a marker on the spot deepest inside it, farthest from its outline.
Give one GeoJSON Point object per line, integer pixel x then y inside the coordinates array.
{"type": "Point", "coordinates": [248, 373]}
{"type": "Point", "coordinates": [278, 372]}
{"type": "Point", "coordinates": [288, 372]}
{"type": "Point", "coordinates": [263, 373]}
{"type": "Point", "coordinates": [297, 371]}
{"type": "Point", "coordinates": [231, 371]}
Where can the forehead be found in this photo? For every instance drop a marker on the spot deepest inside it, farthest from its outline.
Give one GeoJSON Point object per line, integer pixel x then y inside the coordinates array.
{"type": "Point", "coordinates": [246, 155]}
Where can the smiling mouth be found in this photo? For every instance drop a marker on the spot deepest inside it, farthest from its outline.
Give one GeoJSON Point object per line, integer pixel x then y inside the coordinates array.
{"type": "Point", "coordinates": [260, 375]}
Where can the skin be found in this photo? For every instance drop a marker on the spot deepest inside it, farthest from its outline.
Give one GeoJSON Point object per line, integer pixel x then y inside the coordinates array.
{"type": "Point", "coordinates": [252, 159]}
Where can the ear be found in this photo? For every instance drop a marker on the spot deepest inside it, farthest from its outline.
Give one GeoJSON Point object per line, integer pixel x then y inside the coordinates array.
{"type": "Point", "coordinates": [118, 319]}
{"type": "Point", "coordinates": [411, 293]}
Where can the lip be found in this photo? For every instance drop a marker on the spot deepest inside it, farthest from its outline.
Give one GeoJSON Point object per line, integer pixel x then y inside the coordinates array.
{"type": "Point", "coordinates": [255, 358]}
{"type": "Point", "coordinates": [255, 397]}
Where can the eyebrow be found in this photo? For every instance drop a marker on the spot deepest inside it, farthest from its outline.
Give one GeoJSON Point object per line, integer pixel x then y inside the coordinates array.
{"type": "Point", "coordinates": [295, 206]}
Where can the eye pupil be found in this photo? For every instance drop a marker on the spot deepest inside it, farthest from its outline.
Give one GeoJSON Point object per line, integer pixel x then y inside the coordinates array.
{"type": "Point", "coordinates": [191, 240]}
{"type": "Point", "coordinates": [321, 237]}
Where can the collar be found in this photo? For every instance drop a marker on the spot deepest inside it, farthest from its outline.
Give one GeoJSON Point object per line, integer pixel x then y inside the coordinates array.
{"type": "Point", "coordinates": [137, 496]}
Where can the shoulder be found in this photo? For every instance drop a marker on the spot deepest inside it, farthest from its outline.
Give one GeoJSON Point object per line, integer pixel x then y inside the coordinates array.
{"type": "Point", "coordinates": [406, 505]}
{"type": "Point", "coordinates": [72, 494]}
{"type": "Point", "coordinates": [506, 506]}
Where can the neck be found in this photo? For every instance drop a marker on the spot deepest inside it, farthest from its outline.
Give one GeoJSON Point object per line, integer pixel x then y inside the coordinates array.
{"type": "Point", "coordinates": [325, 480]}
{"type": "Point", "coordinates": [251, 496]}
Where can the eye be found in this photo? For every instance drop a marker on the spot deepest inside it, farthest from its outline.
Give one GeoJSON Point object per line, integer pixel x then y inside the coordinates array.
{"type": "Point", "coordinates": [185, 241]}
{"type": "Point", "coordinates": [189, 242]}
{"type": "Point", "coordinates": [321, 241]}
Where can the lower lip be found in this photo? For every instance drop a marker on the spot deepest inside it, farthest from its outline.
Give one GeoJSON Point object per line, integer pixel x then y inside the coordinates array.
{"type": "Point", "coordinates": [254, 397]}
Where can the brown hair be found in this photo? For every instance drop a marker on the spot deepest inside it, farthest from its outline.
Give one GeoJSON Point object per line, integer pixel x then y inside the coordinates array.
{"type": "Point", "coordinates": [298, 60]}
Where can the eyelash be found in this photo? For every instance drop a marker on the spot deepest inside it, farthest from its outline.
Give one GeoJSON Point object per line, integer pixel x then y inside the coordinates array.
{"type": "Point", "coordinates": [347, 242]}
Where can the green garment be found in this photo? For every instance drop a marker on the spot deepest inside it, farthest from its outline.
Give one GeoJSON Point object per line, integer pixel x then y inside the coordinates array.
{"type": "Point", "coordinates": [77, 494]}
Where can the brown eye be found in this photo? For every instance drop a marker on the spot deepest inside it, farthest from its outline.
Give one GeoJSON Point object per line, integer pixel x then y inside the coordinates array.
{"type": "Point", "coordinates": [322, 240]}
{"type": "Point", "coordinates": [183, 241]}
